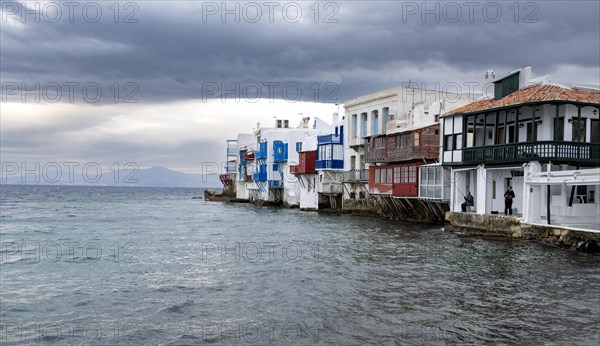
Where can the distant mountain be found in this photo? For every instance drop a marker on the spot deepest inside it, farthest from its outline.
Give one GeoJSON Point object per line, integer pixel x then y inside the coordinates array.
{"type": "Point", "coordinates": [150, 177]}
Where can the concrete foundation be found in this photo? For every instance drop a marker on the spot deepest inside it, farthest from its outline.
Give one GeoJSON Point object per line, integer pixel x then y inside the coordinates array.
{"type": "Point", "coordinates": [512, 227]}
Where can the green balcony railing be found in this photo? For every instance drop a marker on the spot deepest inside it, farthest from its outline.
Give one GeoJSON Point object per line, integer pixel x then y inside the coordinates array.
{"type": "Point", "coordinates": [575, 152]}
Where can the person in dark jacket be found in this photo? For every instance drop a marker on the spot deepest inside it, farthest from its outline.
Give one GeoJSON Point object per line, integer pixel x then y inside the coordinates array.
{"type": "Point", "coordinates": [469, 202]}
{"type": "Point", "coordinates": [509, 195]}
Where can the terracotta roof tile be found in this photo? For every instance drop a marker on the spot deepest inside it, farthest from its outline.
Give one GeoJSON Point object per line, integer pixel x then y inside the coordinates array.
{"type": "Point", "coordinates": [536, 93]}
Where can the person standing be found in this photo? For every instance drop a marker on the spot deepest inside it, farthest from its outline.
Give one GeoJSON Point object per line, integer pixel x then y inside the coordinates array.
{"type": "Point", "coordinates": [469, 202]}
{"type": "Point", "coordinates": [509, 195]}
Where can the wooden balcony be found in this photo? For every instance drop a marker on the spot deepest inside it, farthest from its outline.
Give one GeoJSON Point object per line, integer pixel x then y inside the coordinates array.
{"type": "Point", "coordinates": [422, 143]}
{"type": "Point", "coordinates": [226, 179]}
{"type": "Point", "coordinates": [544, 151]}
{"type": "Point", "coordinates": [356, 176]}
{"type": "Point", "coordinates": [307, 163]}
{"type": "Point", "coordinates": [428, 152]}
{"type": "Point", "coordinates": [302, 169]}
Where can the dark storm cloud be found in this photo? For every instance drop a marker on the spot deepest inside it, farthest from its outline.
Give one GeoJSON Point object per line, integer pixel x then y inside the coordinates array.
{"type": "Point", "coordinates": [152, 57]}
{"type": "Point", "coordinates": [174, 53]}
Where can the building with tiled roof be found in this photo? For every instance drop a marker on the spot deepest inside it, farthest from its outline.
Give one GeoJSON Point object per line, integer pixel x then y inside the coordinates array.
{"type": "Point", "coordinates": [507, 140]}
{"type": "Point", "coordinates": [533, 94]}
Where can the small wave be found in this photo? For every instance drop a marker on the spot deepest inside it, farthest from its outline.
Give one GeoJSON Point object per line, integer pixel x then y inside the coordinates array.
{"type": "Point", "coordinates": [179, 308]}
{"type": "Point", "coordinates": [15, 309]}
{"type": "Point", "coordinates": [83, 303]}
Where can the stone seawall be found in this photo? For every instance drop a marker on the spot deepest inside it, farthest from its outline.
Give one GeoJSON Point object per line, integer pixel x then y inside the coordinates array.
{"type": "Point", "coordinates": [512, 227]}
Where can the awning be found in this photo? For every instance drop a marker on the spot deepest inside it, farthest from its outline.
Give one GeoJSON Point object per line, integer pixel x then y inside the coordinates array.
{"type": "Point", "coordinates": [570, 178]}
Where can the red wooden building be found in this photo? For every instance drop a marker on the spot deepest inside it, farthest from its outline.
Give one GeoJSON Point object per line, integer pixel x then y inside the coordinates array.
{"type": "Point", "coordinates": [306, 163]}
{"type": "Point", "coordinates": [397, 157]}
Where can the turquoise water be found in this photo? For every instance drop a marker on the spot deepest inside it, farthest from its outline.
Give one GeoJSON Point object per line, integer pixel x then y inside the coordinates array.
{"type": "Point", "coordinates": [101, 265]}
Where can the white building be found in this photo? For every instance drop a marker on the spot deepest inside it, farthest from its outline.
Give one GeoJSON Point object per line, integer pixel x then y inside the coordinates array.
{"type": "Point", "coordinates": [388, 112]}
{"type": "Point", "coordinates": [523, 136]}
{"type": "Point", "coordinates": [329, 165]}
{"type": "Point", "coordinates": [265, 157]}
{"type": "Point", "coordinates": [305, 173]}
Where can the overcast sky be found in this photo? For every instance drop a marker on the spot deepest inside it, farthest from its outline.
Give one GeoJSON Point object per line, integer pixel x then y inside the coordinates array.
{"type": "Point", "coordinates": [144, 82]}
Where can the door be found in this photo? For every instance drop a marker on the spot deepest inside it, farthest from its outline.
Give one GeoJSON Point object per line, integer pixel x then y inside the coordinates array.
{"type": "Point", "coordinates": [501, 135]}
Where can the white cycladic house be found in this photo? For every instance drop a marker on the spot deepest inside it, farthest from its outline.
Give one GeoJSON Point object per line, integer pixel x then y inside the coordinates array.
{"type": "Point", "coordinates": [305, 173]}
{"type": "Point", "coordinates": [265, 158]}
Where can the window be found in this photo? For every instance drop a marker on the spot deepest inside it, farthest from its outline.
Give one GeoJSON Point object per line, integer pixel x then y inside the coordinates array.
{"type": "Point", "coordinates": [375, 116]}
{"type": "Point", "coordinates": [386, 117]}
{"type": "Point", "coordinates": [430, 182]}
{"type": "Point", "coordinates": [404, 174]}
{"type": "Point", "coordinates": [352, 162]}
{"type": "Point", "coordinates": [389, 175]}
{"type": "Point", "coordinates": [511, 134]}
{"type": "Point", "coordinates": [595, 131]}
{"type": "Point", "coordinates": [354, 126]}
{"type": "Point", "coordinates": [412, 174]}
{"type": "Point", "coordinates": [581, 194]}
{"type": "Point", "coordinates": [396, 175]}
{"type": "Point", "coordinates": [579, 129]}
{"type": "Point", "coordinates": [404, 140]}
{"type": "Point", "coordinates": [380, 142]}
{"type": "Point", "coordinates": [559, 129]}
{"type": "Point", "coordinates": [458, 141]}
{"type": "Point", "coordinates": [364, 124]}
{"type": "Point", "coordinates": [417, 135]}
{"type": "Point", "coordinates": [470, 139]}
{"type": "Point", "coordinates": [506, 86]}
{"type": "Point", "coordinates": [337, 152]}
{"type": "Point", "coordinates": [449, 142]}
{"type": "Point", "coordinates": [377, 177]}
{"type": "Point", "coordinates": [453, 142]}
{"type": "Point", "coordinates": [530, 132]}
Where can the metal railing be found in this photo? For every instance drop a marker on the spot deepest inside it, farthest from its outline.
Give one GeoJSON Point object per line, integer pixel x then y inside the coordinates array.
{"type": "Point", "coordinates": [329, 164]}
{"type": "Point", "coordinates": [356, 175]}
{"type": "Point", "coordinates": [534, 151]}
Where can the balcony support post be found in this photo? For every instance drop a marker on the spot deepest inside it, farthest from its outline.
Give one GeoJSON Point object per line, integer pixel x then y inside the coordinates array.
{"type": "Point", "coordinates": [516, 139]}
{"type": "Point", "coordinates": [475, 130]}
{"type": "Point", "coordinates": [548, 196]}
{"type": "Point", "coordinates": [504, 141]}
{"type": "Point", "coordinates": [465, 120]}
{"type": "Point", "coordinates": [484, 128]}
{"type": "Point", "coordinates": [497, 114]}
{"type": "Point", "coordinates": [578, 131]}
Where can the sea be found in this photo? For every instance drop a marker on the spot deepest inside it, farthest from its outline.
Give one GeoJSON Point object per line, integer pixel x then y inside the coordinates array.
{"type": "Point", "coordinates": [160, 266]}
